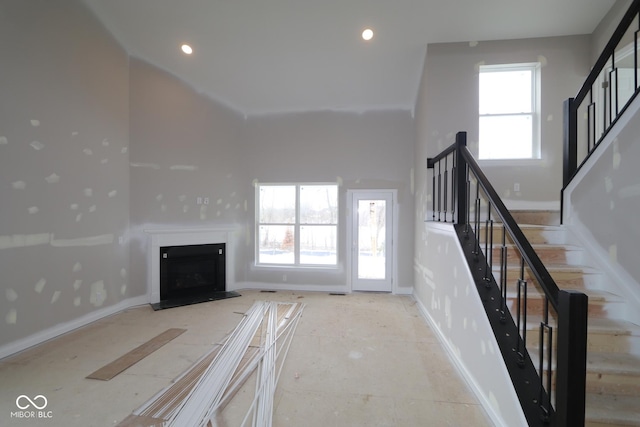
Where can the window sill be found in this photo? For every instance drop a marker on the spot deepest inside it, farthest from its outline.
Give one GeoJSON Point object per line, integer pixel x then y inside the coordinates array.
{"type": "Point", "coordinates": [288, 267]}
{"type": "Point", "coordinates": [512, 162]}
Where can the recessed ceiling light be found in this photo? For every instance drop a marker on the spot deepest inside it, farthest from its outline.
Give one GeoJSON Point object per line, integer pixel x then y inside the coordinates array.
{"type": "Point", "coordinates": [367, 34]}
{"type": "Point", "coordinates": [186, 49]}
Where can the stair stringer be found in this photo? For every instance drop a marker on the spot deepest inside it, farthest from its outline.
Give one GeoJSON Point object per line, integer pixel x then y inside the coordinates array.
{"type": "Point", "coordinates": [615, 278]}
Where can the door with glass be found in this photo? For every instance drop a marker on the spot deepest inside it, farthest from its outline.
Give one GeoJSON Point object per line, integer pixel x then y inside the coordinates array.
{"type": "Point", "coordinates": [372, 241]}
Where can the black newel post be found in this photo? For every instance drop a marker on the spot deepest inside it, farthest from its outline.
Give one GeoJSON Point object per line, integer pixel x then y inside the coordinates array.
{"type": "Point", "coordinates": [571, 358]}
{"type": "Point", "coordinates": [461, 178]}
{"type": "Point", "coordinates": [570, 141]}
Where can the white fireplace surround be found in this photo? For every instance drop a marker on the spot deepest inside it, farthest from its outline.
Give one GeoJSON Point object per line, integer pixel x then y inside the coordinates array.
{"type": "Point", "coordinates": [182, 237]}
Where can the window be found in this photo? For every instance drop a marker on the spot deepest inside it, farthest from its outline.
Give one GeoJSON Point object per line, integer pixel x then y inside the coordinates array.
{"type": "Point", "coordinates": [509, 119]}
{"type": "Point", "coordinates": [297, 224]}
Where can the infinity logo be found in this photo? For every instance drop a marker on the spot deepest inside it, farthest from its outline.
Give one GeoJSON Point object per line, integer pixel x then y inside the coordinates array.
{"type": "Point", "coordinates": [22, 398]}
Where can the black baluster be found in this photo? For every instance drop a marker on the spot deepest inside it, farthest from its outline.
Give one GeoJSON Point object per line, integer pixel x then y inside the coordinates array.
{"type": "Point", "coordinates": [477, 220]}
{"type": "Point", "coordinates": [545, 406]}
{"type": "Point", "coordinates": [549, 366]}
{"type": "Point", "coordinates": [439, 188]}
{"type": "Point", "coordinates": [467, 228]}
{"type": "Point", "coordinates": [522, 314]}
{"type": "Point", "coordinates": [635, 57]}
{"type": "Point", "coordinates": [454, 187]}
{"type": "Point", "coordinates": [446, 184]}
{"type": "Point", "coordinates": [591, 126]}
{"type": "Point", "coordinates": [503, 277]}
{"type": "Point", "coordinates": [604, 106]}
{"type": "Point", "coordinates": [433, 194]}
{"type": "Point", "coordinates": [615, 90]}
{"type": "Point", "coordinates": [488, 249]}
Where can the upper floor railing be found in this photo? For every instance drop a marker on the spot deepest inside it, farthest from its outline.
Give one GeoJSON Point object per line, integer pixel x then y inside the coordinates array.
{"type": "Point", "coordinates": [540, 329]}
{"type": "Point", "coordinates": [609, 89]}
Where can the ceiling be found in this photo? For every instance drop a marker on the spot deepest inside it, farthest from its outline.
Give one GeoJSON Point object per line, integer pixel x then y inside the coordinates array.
{"type": "Point", "coordinates": [272, 56]}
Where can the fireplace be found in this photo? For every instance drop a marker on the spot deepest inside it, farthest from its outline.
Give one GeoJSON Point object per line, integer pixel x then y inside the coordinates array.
{"type": "Point", "coordinates": [194, 262]}
{"type": "Point", "coordinates": [191, 270]}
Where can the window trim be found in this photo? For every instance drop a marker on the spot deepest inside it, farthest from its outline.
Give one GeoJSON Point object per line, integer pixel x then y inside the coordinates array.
{"type": "Point", "coordinates": [296, 265]}
{"type": "Point", "coordinates": [536, 149]}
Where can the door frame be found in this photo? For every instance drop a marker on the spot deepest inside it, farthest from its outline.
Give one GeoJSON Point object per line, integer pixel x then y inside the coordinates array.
{"type": "Point", "coordinates": [350, 234]}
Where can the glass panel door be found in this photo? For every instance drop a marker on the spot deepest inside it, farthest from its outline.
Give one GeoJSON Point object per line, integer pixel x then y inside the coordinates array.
{"type": "Point", "coordinates": [372, 228]}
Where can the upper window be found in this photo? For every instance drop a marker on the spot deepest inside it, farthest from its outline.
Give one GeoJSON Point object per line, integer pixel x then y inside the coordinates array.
{"type": "Point", "coordinates": [509, 119]}
{"type": "Point", "coordinates": [297, 224]}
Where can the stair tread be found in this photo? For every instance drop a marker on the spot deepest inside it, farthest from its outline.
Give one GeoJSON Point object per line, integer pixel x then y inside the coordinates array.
{"type": "Point", "coordinates": [497, 226]}
{"type": "Point", "coordinates": [596, 325]}
{"type": "Point", "coordinates": [595, 295]}
{"type": "Point", "coordinates": [546, 233]}
{"type": "Point", "coordinates": [539, 246]}
{"type": "Point", "coordinates": [544, 217]}
{"type": "Point", "coordinates": [623, 410]}
{"type": "Point", "coordinates": [545, 245]}
{"type": "Point", "coordinates": [620, 327]}
{"type": "Point", "coordinates": [613, 373]}
{"type": "Point", "coordinates": [560, 267]}
{"type": "Point", "coordinates": [613, 363]}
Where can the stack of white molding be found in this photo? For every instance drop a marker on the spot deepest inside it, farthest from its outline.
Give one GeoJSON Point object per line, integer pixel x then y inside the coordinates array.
{"type": "Point", "coordinates": [260, 342]}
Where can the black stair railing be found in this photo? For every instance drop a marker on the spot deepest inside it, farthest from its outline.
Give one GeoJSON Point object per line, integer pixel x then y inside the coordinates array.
{"type": "Point", "coordinates": [541, 330]}
{"type": "Point", "coordinates": [611, 86]}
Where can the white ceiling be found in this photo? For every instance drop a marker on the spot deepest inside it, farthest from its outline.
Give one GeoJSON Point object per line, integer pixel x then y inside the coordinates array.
{"type": "Point", "coordinates": [265, 56]}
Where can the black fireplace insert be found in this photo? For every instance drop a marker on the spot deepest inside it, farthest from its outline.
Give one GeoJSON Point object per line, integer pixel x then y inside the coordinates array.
{"type": "Point", "coordinates": [191, 274]}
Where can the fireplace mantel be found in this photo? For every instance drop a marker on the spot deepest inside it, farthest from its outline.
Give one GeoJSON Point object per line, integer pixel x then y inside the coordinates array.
{"type": "Point", "coordinates": [159, 237]}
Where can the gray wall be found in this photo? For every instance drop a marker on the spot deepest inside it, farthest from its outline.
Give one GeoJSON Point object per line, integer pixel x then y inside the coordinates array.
{"type": "Point", "coordinates": [444, 289]}
{"type": "Point", "coordinates": [452, 101]}
{"type": "Point", "coordinates": [601, 35]}
{"type": "Point", "coordinates": [183, 146]}
{"type": "Point", "coordinates": [372, 150]}
{"type": "Point", "coordinates": [604, 200]}
{"type": "Point", "coordinates": [96, 147]}
{"type": "Point", "coordinates": [447, 102]}
{"type": "Point", "coordinates": [64, 166]}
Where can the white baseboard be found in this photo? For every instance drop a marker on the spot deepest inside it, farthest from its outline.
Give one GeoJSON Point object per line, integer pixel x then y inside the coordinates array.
{"type": "Point", "coordinates": [264, 286]}
{"type": "Point", "coordinates": [464, 373]}
{"type": "Point", "coordinates": [62, 328]}
{"type": "Point", "coordinates": [528, 205]}
{"type": "Point", "coordinates": [310, 288]}
{"type": "Point", "coordinates": [404, 290]}
{"type": "Point", "coordinates": [14, 347]}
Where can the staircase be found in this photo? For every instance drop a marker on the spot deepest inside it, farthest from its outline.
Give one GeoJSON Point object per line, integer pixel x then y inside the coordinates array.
{"type": "Point", "coordinates": [613, 359]}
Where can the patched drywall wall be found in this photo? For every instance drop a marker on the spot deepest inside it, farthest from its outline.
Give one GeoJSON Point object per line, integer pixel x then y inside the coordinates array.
{"type": "Point", "coordinates": [445, 290]}
{"type": "Point", "coordinates": [187, 163]}
{"type": "Point", "coordinates": [97, 147]}
{"type": "Point", "coordinates": [64, 167]}
{"type": "Point", "coordinates": [452, 102]}
{"type": "Point", "coordinates": [371, 150]}
{"type": "Point", "coordinates": [602, 202]}
{"type": "Point", "coordinates": [603, 32]}
{"type": "Point", "coordinates": [447, 296]}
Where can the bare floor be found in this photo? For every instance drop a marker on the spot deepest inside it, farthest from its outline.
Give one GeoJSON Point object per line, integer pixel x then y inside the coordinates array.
{"type": "Point", "coordinates": [355, 360]}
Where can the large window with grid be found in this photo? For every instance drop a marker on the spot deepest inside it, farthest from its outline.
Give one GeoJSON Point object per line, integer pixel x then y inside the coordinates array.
{"type": "Point", "coordinates": [508, 107]}
{"type": "Point", "coordinates": [296, 224]}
